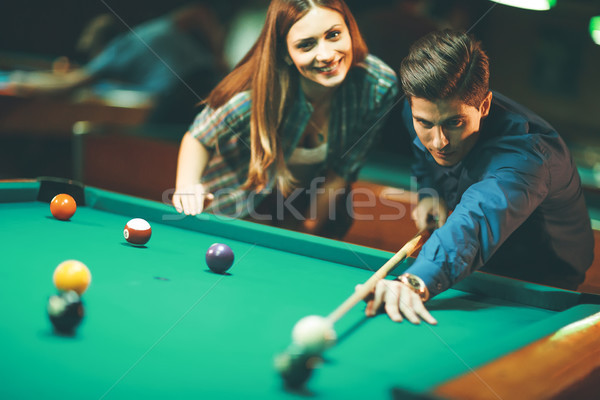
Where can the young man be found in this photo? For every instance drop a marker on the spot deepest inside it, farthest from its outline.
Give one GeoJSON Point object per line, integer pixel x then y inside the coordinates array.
{"type": "Point", "coordinates": [515, 196]}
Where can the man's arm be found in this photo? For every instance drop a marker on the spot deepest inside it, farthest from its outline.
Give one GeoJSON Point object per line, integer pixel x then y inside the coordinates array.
{"type": "Point", "coordinates": [488, 213]}
{"type": "Point", "coordinates": [48, 83]}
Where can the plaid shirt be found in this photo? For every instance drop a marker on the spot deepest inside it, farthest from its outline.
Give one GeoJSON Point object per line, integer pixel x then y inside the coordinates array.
{"type": "Point", "coordinates": [359, 108]}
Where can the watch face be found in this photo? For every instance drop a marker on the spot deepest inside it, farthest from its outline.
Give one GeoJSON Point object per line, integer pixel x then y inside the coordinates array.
{"type": "Point", "coordinates": [413, 282]}
{"type": "Point", "coordinates": [416, 284]}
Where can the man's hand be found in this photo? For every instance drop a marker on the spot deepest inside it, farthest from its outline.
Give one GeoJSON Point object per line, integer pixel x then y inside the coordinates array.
{"type": "Point", "coordinates": [45, 83]}
{"type": "Point", "coordinates": [430, 209]}
{"type": "Point", "coordinates": [399, 300]}
{"type": "Point", "coordinates": [192, 199]}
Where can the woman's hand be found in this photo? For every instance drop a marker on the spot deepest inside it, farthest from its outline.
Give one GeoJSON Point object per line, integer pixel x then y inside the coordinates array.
{"type": "Point", "coordinates": [191, 199]}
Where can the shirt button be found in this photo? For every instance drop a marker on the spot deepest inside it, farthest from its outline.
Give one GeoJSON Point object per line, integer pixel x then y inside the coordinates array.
{"type": "Point", "coordinates": [438, 286]}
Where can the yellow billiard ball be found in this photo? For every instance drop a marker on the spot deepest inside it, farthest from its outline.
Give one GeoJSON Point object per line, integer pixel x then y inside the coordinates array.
{"type": "Point", "coordinates": [72, 275]}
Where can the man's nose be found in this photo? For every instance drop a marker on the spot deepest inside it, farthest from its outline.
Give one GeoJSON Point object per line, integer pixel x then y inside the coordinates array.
{"type": "Point", "coordinates": [439, 138]}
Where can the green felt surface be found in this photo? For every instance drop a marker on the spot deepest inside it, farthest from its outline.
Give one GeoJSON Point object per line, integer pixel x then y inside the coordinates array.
{"type": "Point", "coordinates": [160, 325]}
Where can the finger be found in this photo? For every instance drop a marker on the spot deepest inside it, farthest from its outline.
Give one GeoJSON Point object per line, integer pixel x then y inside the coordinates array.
{"type": "Point", "coordinates": [421, 223]}
{"type": "Point", "coordinates": [189, 204]}
{"type": "Point", "coordinates": [208, 199]}
{"type": "Point", "coordinates": [368, 299]}
{"type": "Point", "coordinates": [368, 296]}
{"type": "Point", "coordinates": [194, 204]}
{"type": "Point", "coordinates": [199, 203]}
{"type": "Point", "coordinates": [177, 203]}
{"type": "Point", "coordinates": [369, 310]}
{"type": "Point", "coordinates": [391, 303]}
{"type": "Point", "coordinates": [377, 297]}
{"type": "Point", "coordinates": [406, 305]}
{"type": "Point", "coordinates": [199, 198]}
{"type": "Point", "coordinates": [421, 311]}
{"type": "Point", "coordinates": [415, 214]}
{"type": "Point", "coordinates": [442, 216]}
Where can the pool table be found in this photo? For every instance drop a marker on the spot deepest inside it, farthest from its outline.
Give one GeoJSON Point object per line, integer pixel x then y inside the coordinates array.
{"type": "Point", "coordinates": [159, 324]}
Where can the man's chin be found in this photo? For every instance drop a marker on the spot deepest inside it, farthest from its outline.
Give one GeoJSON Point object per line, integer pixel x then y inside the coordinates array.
{"type": "Point", "coordinates": [445, 162]}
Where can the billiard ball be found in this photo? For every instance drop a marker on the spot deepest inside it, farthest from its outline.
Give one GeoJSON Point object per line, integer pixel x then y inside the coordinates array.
{"type": "Point", "coordinates": [65, 312]}
{"type": "Point", "coordinates": [63, 206]}
{"type": "Point", "coordinates": [72, 275]}
{"type": "Point", "coordinates": [137, 231]}
{"type": "Point", "coordinates": [295, 366]}
{"type": "Point", "coordinates": [219, 258]}
{"type": "Point", "coordinates": [314, 333]}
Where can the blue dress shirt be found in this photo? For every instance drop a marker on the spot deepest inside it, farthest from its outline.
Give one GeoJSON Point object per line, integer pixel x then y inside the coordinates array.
{"type": "Point", "coordinates": [517, 201]}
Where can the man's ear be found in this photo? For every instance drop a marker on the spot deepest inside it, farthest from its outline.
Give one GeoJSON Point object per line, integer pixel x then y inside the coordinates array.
{"type": "Point", "coordinates": [486, 104]}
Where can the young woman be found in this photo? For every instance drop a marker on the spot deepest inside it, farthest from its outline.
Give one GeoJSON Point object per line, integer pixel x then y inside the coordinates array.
{"type": "Point", "coordinates": [286, 132]}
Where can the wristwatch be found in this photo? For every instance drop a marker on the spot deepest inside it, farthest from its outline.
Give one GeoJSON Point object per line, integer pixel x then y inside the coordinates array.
{"type": "Point", "coordinates": [416, 284]}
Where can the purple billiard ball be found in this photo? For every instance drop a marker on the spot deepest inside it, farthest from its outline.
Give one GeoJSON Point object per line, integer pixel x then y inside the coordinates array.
{"type": "Point", "coordinates": [219, 258]}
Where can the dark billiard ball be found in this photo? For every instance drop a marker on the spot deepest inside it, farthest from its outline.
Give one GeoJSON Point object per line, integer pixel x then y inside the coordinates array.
{"type": "Point", "coordinates": [65, 312]}
{"type": "Point", "coordinates": [296, 365]}
{"type": "Point", "coordinates": [219, 258]}
{"type": "Point", "coordinates": [63, 206]}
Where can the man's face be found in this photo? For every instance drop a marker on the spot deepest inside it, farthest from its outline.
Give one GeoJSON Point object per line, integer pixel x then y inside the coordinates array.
{"type": "Point", "coordinates": [448, 128]}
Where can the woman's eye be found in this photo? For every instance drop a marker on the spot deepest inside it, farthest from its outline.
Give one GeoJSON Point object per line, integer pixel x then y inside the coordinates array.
{"type": "Point", "coordinates": [304, 46]}
{"type": "Point", "coordinates": [333, 35]}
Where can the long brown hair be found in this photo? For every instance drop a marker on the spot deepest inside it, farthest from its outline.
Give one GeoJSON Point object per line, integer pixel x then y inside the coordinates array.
{"type": "Point", "coordinates": [263, 70]}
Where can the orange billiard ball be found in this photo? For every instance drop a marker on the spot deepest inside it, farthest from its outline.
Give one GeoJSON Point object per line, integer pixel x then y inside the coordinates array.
{"type": "Point", "coordinates": [63, 206]}
{"type": "Point", "coordinates": [72, 275]}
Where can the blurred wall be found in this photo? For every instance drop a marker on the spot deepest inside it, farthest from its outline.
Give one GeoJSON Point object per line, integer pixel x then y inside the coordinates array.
{"type": "Point", "coordinates": [545, 60]}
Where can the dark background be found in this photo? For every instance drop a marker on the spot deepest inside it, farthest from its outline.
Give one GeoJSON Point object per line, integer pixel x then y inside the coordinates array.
{"type": "Point", "coordinates": [544, 60]}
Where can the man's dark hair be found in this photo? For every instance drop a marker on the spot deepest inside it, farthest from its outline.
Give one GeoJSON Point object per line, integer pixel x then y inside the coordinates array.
{"type": "Point", "coordinates": [446, 64]}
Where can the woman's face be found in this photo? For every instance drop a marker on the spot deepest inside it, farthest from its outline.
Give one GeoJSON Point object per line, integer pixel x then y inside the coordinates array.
{"type": "Point", "coordinates": [320, 46]}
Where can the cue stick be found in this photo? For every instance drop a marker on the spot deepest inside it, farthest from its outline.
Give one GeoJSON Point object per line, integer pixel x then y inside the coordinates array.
{"type": "Point", "coordinates": [406, 250]}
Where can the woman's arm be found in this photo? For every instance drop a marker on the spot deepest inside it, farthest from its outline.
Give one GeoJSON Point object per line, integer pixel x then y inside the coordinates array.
{"type": "Point", "coordinates": [190, 195]}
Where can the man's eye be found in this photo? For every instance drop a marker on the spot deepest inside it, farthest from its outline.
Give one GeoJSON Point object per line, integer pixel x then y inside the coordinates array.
{"type": "Point", "coordinates": [454, 123]}
{"type": "Point", "coordinates": [425, 124]}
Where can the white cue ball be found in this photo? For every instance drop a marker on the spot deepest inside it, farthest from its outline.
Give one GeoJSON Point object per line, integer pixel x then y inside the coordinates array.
{"type": "Point", "coordinates": [314, 333]}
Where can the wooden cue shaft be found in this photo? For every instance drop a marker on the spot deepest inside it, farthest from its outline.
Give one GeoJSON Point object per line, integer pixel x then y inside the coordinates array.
{"type": "Point", "coordinates": [381, 273]}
